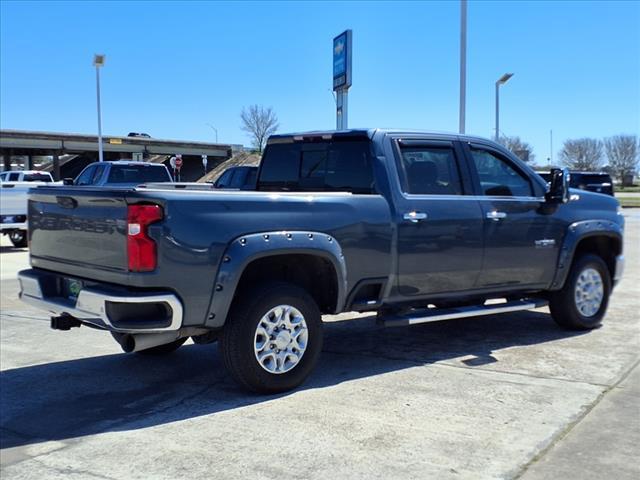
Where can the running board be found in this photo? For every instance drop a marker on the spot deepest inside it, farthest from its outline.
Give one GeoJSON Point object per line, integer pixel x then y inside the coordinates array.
{"type": "Point", "coordinates": [438, 314]}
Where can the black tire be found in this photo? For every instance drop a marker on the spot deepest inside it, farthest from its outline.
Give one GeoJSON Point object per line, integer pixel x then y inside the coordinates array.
{"type": "Point", "coordinates": [562, 303]}
{"type": "Point", "coordinates": [19, 238]}
{"type": "Point", "coordinates": [165, 349]}
{"type": "Point", "coordinates": [239, 332]}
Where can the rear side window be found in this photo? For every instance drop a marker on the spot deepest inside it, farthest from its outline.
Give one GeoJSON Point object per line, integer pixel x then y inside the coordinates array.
{"type": "Point", "coordinates": [137, 174]}
{"type": "Point", "coordinates": [238, 178]}
{"type": "Point", "coordinates": [340, 166]}
{"type": "Point", "coordinates": [250, 182]}
{"type": "Point", "coordinates": [86, 176]}
{"type": "Point", "coordinates": [14, 177]}
{"type": "Point", "coordinates": [430, 170]}
{"type": "Point", "coordinates": [225, 179]}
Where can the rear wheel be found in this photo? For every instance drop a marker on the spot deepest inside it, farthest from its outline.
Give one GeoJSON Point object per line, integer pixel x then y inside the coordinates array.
{"type": "Point", "coordinates": [273, 338]}
{"type": "Point", "coordinates": [582, 303]}
{"type": "Point", "coordinates": [18, 238]}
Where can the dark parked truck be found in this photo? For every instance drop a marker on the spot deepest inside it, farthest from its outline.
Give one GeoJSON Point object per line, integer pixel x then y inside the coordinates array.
{"type": "Point", "coordinates": [416, 226]}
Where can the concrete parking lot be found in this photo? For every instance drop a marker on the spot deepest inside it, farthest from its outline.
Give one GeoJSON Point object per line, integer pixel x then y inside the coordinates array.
{"type": "Point", "coordinates": [509, 396]}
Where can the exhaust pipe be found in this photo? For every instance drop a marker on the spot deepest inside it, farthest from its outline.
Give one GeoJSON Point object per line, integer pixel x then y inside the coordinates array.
{"type": "Point", "coordinates": [143, 341]}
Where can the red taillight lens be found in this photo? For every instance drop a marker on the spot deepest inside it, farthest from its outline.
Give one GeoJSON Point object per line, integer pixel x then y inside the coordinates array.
{"type": "Point", "coordinates": [140, 248]}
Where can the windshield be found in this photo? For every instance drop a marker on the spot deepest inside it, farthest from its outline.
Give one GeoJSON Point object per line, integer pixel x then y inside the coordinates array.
{"type": "Point", "coordinates": [137, 174]}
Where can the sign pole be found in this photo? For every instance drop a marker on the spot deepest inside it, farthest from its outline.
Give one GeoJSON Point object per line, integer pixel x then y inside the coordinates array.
{"type": "Point", "coordinates": [342, 55]}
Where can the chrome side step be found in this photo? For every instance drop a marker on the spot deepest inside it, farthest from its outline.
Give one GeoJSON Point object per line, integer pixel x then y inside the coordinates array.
{"type": "Point", "coordinates": [438, 314]}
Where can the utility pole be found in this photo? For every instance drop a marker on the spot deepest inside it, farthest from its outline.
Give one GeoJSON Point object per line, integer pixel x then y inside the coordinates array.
{"type": "Point", "coordinates": [463, 65]}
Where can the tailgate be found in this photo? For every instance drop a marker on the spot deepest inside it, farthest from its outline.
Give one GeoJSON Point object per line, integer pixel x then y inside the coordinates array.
{"type": "Point", "coordinates": [84, 227]}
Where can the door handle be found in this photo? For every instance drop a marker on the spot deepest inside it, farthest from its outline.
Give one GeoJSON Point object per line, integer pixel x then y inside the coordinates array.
{"type": "Point", "coordinates": [415, 217]}
{"type": "Point", "coordinates": [495, 215]}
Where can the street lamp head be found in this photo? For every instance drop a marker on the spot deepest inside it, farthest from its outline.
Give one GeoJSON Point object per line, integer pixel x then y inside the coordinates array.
{"type": "Point", "coordinates": [504, 78]}
{"type": "Point", "coordinates": [98, 60]}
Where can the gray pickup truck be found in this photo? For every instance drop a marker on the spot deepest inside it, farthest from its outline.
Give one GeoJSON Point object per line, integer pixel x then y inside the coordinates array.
{"type": "Point", "coordinates": [415, 226]}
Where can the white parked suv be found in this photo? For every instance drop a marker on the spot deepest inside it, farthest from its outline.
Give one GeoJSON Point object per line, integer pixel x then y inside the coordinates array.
{"type": "Point", "coordinates": [14, 188]}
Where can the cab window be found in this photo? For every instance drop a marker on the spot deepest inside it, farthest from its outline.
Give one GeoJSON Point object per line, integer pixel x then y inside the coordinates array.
{"type": "Point", "coordinates": [430, 170]}
{"type": "Point", "coordinates": [333, 166]}
{"type": "Point", "coordinates": [498, 178]}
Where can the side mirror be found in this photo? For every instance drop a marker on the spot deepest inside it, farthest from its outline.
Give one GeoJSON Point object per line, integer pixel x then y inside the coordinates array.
{"type": "Point", "coordinates": [67, 181]}
{"type": "Point", "coordinates": [559, 186]}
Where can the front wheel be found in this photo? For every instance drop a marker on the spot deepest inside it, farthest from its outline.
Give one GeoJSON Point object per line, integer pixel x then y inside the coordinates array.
{"type": "Point", "coordinates": [273, 338]}
{"type": "Point", "coordinates": [18, 238]}
{"type": "Point", "coordinates": [582, 302]}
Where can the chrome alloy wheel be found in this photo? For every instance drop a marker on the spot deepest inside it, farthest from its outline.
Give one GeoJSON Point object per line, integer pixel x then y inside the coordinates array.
{"type": "Point", "coordinates": [589, 292]}
{"type": "Point", "coordinates": [281, 339]}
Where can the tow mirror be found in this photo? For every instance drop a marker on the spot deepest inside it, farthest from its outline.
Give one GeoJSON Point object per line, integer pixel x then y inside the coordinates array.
{"type": "Point", "coordinates": [67, 181]}
{"type": "Point", "coordinates": [559, 186]}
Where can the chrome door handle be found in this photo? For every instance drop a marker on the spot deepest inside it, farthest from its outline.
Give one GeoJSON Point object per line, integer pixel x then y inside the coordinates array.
{"type": "Point", "coordinates": [495, 215]}
{"type": "Point", "coordinates": [414, 217]}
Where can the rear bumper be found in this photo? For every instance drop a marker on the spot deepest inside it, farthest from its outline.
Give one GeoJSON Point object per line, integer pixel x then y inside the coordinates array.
{"type": "Point", "coordinates": [101, 307]}
{"type": "Point", "coordinates": [13, 226]}
{"type": "Point", "coordinates": [617, 276]}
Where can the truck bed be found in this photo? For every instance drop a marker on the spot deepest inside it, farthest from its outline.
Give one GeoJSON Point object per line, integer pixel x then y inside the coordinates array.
{"type": "Point", "coordinates": [81, 232]}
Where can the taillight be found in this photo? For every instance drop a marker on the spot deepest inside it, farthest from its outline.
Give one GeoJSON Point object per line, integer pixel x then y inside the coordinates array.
{"type": "Point", "coordinates": [140, 248]}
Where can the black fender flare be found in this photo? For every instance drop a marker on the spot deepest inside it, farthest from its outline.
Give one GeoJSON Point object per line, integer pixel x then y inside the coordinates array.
{"type": "Point", "coordinates": [245, 249]}
{"type": "Point", "coordinates": [577, 232]}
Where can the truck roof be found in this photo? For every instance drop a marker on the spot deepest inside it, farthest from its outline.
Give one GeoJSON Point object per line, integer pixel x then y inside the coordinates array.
{"type": "Point", "coordinates": [369, 133]}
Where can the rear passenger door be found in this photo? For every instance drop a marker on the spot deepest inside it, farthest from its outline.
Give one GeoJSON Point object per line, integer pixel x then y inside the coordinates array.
{"type": "Point", "coordinates": [440, 224]}
{"type": "Point", "coordinates": [521, 238]}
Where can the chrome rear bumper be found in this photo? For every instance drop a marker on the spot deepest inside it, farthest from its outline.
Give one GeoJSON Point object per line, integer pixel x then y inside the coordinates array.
{"type": "Point", "coordinates": [91, 304]}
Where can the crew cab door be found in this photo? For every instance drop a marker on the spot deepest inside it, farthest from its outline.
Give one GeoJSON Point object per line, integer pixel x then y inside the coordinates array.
{"type": "Point", "coordinates": [440, 225]}
{"type": "Point", "coordinates": [521, 236]}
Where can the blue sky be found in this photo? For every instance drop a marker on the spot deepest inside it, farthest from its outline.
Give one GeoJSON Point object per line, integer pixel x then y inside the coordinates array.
{"type": "Point", "coordinates": [173, 67]}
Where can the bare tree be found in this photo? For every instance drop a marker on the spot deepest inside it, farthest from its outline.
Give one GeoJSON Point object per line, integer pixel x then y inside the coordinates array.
{"type": "Point", "coordinates": [582, 154]}
{"type": "Point", "coordinates": [521, 149]}
{"type": "Point", "coordinates": [259, 123]}
{"type": "Point", "coordinates": [623, 153]}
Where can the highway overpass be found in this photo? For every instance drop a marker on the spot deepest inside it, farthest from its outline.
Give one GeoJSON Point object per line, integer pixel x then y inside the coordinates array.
{"type": "Point", "coordinates": [66, 154]}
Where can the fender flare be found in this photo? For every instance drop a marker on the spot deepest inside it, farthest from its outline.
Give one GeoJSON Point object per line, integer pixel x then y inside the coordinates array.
{"type": "Point", "coordinates": [245, 249]}
{"type": "Point", "coordinates": [577, 232]}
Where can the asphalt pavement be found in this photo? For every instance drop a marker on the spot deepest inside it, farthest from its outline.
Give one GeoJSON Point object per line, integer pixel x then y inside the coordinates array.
{"type": "Point", "coordinates": [503, 396]}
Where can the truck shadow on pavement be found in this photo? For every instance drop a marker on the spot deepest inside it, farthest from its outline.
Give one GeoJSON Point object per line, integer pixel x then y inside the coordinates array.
{"type": "Point", "coordinates": [65, 400]}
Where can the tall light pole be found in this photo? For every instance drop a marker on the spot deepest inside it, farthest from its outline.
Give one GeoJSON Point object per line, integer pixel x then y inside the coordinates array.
{"type": "Point", "coordinates": [501, 81]}
{"type": "Point", "coordinates": [463, 64]}
{"type": "Point", "coordinates": [98, 61]}
{"type": "Point", "coordinates": [214, 129]}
